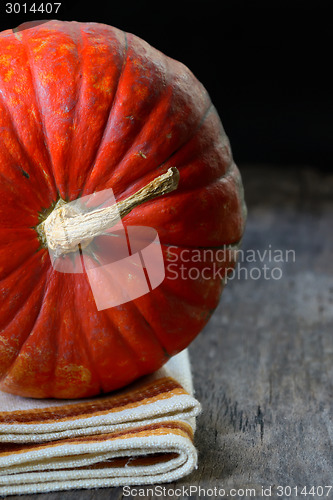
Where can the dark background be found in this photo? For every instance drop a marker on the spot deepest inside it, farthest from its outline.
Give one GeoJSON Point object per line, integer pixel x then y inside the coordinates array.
{"type": "Point", "coordinates": [267, 69]}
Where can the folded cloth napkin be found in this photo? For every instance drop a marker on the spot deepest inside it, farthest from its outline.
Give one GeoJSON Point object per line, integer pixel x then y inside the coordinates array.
{"type": "Point", "coordinates": [142, 434]}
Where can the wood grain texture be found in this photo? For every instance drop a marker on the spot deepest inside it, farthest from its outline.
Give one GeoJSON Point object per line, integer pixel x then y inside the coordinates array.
{"type": "Point", "coordinates": [263, 367]}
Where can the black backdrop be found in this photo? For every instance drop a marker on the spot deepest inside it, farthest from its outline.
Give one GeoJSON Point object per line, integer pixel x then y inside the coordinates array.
{"type": "Point", "coordinates": [267, 69]}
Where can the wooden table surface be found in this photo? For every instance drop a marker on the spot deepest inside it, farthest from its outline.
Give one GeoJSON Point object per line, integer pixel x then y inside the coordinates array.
{"type": "Point", "coordinates": [263, 366]}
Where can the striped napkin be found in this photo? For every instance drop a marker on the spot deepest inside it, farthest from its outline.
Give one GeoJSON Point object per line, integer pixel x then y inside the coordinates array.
{"type": "Point", "coordinates": [142, 434]}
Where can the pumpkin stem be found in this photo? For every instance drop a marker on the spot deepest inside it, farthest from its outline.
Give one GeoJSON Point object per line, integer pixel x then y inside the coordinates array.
{"type": "Point", "coordinates": [64, 229]}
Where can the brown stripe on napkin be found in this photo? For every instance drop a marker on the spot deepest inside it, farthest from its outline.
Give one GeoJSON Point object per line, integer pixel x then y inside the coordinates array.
{"type": "Point", "coordinates": [140, 394]}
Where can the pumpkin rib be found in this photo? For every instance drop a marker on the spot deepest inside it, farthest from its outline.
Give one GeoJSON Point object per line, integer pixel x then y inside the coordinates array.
{"type": "Point", "coordinates": [195, 131]}
{"type": "Point", "coordinates": [78, 40]}
{"type": "Point", "coordinates": [26, 278]}
{"type": "Point", "coordinates": [133, 303]}
{"type": "Point", "coordinates": [146, 177]}
{"type": "Point", "coordinates": [211, 182]}
{"type": "Point", "coordinates": [136, 310]}
{"type": "Point", "coordinates": [15, 132]}
{"type": "Point", "coordinates": [40, 87]}
{"type": "Point", "coordinates": [19, 216]}
{"type": "Point", "coordinates": [96, 87]}
{"type": "Point", "coordinates": [120, 346]}
{"type": "Point", "coordinates": [164, 334]}
{"type": "Point", "coordinates": [136, 354]}
{"type": "Point", "coordinates": [11, 186]}
{"type": "Point", "coordinates": [93, 365]}
{"type": "Point", "coordinates": [77, 336]}
{"type": "Point", "coordinates": [39, 109]}
{"type": "Point", "coordinates": [29, 332]}
{"type": "Point", "coordinates": [125, 339]}
{"type": "Point", "coordinates": [220, 139]}
{"type": "Point", "coordinates": [54, 382]}
{"type": "Point", "coordinates": [23, 260]}
{"type": "Point", "coordinates": [109, 115]}
{"type": "Point", "coordinates": [21, 265]}
{"type": "Point", "coordinates": [139, 311]}
{"type": "Point", "coordinates": [16, 377]}
{"type": "Point", "coordinates": [133, 146]}
{"type": "Point", "coordinates": [20, 206]}
{"type": "Point", "coordinates": [115, 171]}
{"type": "Point", "coordinates": [47, 179]}
{"type": "Point", "coordinates": [41, 299]}
{"type": "Point", "coordinates": [115, 329]}
{"type": "Point", "coordinates": [87, 347]}
{"type": "Point", "coordinates": [82, 43]}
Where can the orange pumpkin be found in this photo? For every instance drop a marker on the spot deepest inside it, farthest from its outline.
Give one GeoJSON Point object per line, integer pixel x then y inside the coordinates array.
{"type": "Point", "coordinates": [85, 107]}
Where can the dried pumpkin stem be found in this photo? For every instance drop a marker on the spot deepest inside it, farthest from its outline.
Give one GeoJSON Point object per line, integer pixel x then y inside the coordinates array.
{"type": "Point", "coordinates": [64, 229]}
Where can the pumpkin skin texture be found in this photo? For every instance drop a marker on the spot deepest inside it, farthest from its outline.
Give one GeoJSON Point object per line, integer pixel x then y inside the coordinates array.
{"type": "Point", "coordinates": [85, 107]}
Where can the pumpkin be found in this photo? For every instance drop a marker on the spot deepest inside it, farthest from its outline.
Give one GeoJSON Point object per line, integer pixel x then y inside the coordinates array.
{"type": "Point", "coordinates": [85, 107]}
